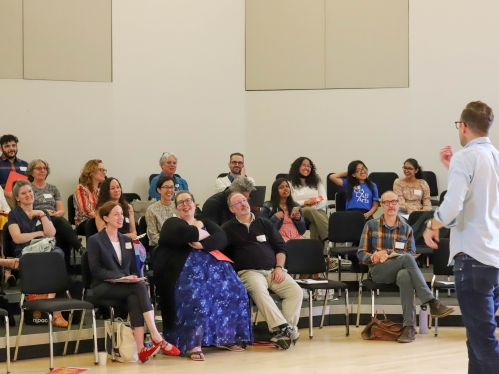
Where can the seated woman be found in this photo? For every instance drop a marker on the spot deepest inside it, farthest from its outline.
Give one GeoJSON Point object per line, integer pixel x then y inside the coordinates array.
{"type": "Point", "coordinates": [361, 193]}
{"type": "Point", "coordinates": [160, 211]}
{"type": "Point", "coordinates": [87, 192]}
{"type": "Point", "coordinates": [308, 191]}
{"type": "Point", "coordinates": [110, 190]}
{"type": "Point", "coordinates": [48, 198]}
{"type": "Point", "coordinates": [111, 256]}
{"type": "Point", "coordinates": [413, 192]}
{"type": "Point", "coordinates": [202, 300]}
{"type": "Point", "coordinates": [283, 212]}
{"type": "Point", "coordinates": [26, 223]}
{"type": "Point", "coordinates": [168, 164]}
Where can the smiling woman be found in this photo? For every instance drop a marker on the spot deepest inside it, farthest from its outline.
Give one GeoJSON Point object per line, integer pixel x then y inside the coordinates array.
{"type": "Point", "coordinates": [160, 211]}
{"type": "Point", "coordinates": [413, 192]}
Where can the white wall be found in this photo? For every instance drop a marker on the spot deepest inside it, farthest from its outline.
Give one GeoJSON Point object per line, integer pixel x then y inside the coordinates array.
{"type": "Point", "coordinates": [179, 87]}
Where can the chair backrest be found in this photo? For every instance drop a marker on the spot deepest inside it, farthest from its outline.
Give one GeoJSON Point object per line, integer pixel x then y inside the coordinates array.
{"type": "Point", "coordinates": [414, 216]}
{"type": "Point", "coordinates": [282, 175]}
{"type": "Point", "coordinates": [442, 196]}
{"type": "Point", "coordinates": [71, 210]}
{"type": "Point", "coordinates": [340, 199]}
{"type": "Point", "coordinates": [441, 259]}
{"type": "Point", "coordinates": [431, 179]}
{"type": "Point", "coordinates": [384, 181]}
{"type": "Point", "coordinates": [43, 273]}
{"type": "Point", "coordinates": [305, 256]}
{"type": "Point", "coordinates": [346, 226]}
{"type": "Point", "coordinates": [8, 245]}
{"type": "Point", "coordinates": [131, 196]}
{"type": "Point", "coordinates": [152, 176]}
{"type": "Point", "coordinates": [221, 175]}
{"type": "Point", "coordinates": [332, 188]}
{"type": "Point", "coordinates": [90, 228]}
{"type": "Point", "coordinates": [142, 229]}
{"type": "Point", "coordinates": [257, 197]}
{"type": "Point", "coordinates": [86, 274]}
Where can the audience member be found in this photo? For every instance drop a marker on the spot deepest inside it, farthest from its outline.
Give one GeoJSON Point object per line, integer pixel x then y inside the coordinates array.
{"type": "Point", "coordinates": [48, 198]}
{"type": "Point", "coordinates": [389, 236]}
{"type": "Point", "coordinates": [87, 192]}
{"type": "Point", "coordinates": [215, 208]}
{"type": "Point", "coordinates": [160, 211]}
{"type": "Point", "coordinates": [9, 162]}
{"type": "Point", "coordinates": [259, 255]}
{"type": "Point", "coordinates": [111, 256]}
{"type": "Point", "coordinates": [413, 192]}
{"type": "Point", "coordinates": [361, 193]}
{"type": "Point", "coordinates": [202, 301]}
{"type": "Point", "coordinates": [308, 191]}
{"type": "Point", "coordinates": [110, 190]}
{"type": "Point", "coordinates": [284, 212]}
{"type": "Point", "coordinates": [26, 223]}
{"type": "Point", "coordinates": [237, 169]}
{"type": "Point", "coordinates": [168, 163]}
{"type": "Point", "coordinates": [4, 211]}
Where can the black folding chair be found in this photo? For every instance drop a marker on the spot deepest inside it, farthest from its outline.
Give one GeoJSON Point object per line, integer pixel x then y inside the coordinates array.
{"type": "Point", "coordinates": [340, 199]}
{"type": "Point", "coordinates": [90, 228]}
{"type": "Point", "coordinates": [384, 181]}
{"type": "Point", "coordinates": [131, 196]}
{"type": "Point", "coordinates": [431, 179]}
{"type": "Point", "coordinates": [71, 210]}
{"type": "Point", "coordinates": [221, 175]}
{"type": "Point", "coordinates": [332, 189]}
{"type": "Point", "coordinates": [45, 273]}
{"type": "Point", "coordinates": [421, 246]}
{"type": "Point", "coordinates": [442, 197]}
{"type": "Point", "coordinates": [305, 256]}
{"type": "Point", "coordinates": [5, 315]}
{"type": "Point", "coordinates": [282, 175]}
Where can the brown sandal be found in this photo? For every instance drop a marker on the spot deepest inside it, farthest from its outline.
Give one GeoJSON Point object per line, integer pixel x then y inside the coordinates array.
{"type": "Point", "coordinates": [12, 263]}
{"type": "Point", "coordinates": [60, 322]}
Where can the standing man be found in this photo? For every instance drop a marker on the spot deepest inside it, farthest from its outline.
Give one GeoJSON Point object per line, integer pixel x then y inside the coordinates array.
{"type": "Point", "coordinates": [471, 209]}
{"type": "Point", "coordinates": [237, 169]}
{"type": "Point", "coordinates": [9, 162]}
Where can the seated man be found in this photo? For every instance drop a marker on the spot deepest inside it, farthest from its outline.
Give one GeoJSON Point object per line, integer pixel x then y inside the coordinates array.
{"type": "Point", "coordinates": [215, 208]}
{"type": "Point", "coordinates": [237, 169]}
{"type": "Point", "coordinates": [259, 254]}
{"type": "Point", "coordinates": [10, 162]}
{"type": "Point", "coordinates": [168, 163]}
{"type": "Point", "coordinates": [389, 234]}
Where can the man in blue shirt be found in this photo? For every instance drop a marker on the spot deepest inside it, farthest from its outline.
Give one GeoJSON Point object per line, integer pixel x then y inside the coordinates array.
{"type": "Point", "coordinates": [471, 209]}
{"type": "Point", "coordinates": [9, 162]}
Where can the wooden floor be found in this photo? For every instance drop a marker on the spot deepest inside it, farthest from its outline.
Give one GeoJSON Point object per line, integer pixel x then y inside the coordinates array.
{"type": "Point", "coordinates": [330, 351]}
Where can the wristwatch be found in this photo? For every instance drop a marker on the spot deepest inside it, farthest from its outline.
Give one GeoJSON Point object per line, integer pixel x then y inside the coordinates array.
{"type": "Point", "coordinates": [282, 268]}
{"type": "Point", "coordinates": [428, 224]}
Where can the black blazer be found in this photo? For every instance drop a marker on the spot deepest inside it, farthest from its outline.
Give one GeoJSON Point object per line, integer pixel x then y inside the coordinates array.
{"type": "Point", "coordinates": [104, 262]}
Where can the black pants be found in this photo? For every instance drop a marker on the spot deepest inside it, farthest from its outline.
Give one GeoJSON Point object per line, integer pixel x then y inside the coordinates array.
{"type": "Point", "coordinates": [138, 300]}
{"type": "Point", "coordinates": [66, 238]}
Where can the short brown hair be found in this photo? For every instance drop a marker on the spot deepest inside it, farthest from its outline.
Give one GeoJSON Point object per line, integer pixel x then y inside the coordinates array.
{"type": "Point", "coordinates": [478, 116]}
{"type": "Point", "coordinates": [178, 193]}
{"type": "Point", "coordinates": [86, 174]}
{"type": "Point", "coordinates": [106, 208]}
{"type": "Point", "coordinates": [236, 154]}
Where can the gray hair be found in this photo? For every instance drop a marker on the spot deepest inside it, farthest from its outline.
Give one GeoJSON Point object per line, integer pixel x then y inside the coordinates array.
{"type": "Point", "coordinates": [32, 165]}
{"type": "Point", "coordinates": [165, 156]}
{"type": "Point", "coordinates": [18, 184]}
{"type": "Point", "coordinates": [241, 184]}
{"type": "Point", "coordinates": [381, 199]}
{"type": "Point", "coordinates": [230, 197]}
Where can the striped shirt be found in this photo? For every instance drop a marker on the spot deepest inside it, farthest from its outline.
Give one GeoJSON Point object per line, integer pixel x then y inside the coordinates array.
{"type": "Point", "coordinates": [378, 236]}
{"type": "Point", "coordinates": [19, 166]}
{"type": "Point", "coordinates": [85, 202]}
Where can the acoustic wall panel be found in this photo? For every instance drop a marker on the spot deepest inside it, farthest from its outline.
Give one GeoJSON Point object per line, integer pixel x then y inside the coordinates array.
{"type": "Point", "coordinates": [11, 39]}
{"type": "Point", "coordinates": [284, 44]}
{"type": "Point", "coordinates": [68, 40]}
{"type": "Point", "coordinates": [367, 43]}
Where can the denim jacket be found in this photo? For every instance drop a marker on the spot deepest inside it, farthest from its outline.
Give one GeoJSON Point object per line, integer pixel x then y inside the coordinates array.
{"type": "Point", "coordinates": [268, 212]}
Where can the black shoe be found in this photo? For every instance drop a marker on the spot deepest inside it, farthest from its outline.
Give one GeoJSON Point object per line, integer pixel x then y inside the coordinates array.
{"type": "Point", "coordinates": [282, 339]}
{"type": "Point", "coordinates": [408, 335]}
{"type": "Point", "coordinates": [439, 310]}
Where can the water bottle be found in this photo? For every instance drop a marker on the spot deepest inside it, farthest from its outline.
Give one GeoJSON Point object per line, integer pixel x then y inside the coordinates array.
{"type": "Point", "coordinates": [148, 341]}
{"type": "Point", "coordinates": [423, 320]}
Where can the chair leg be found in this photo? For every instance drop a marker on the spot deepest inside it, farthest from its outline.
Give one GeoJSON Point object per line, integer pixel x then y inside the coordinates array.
{"type": "Point", "coordinates": [113, 357]}
{"type": "Point", "coordinates": [358, 306]}
{"type": "Point", "coordinates": [51, 343]}
{"type": "Point", "coordinates": [7, 343]}
{"type": "Point", "coordinates": [310, 316]}
{"type": "Point", "coordinates": [324, 308]}
{"type": "Point", "coordinates": [79, 331]}
{"type": "Point", "coordinates": [347, 313]}
{"type": "Point", "coordinates": [96, 357]}
{"type": "Point", "coordinates": [372, 303]}
{"type": "Point", "coordinates": [436, 319]}
{"type": "Point", "coordinates": [18, 339]}
{"type": "Point", "coordinates": [68, 331]}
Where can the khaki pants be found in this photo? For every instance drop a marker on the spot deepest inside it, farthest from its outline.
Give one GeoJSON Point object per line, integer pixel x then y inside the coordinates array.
{"type": "Point", "coordinates": [258, 284]}
{"type": "Point", "coordinates": [319, 225]}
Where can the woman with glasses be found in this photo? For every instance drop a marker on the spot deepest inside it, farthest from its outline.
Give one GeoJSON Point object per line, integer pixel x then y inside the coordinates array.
{"type": "Point", "coordinates": [159, 212]}
{"type": "Point", "coordinates": [110, 190]}
{"type": "Point", "coordinates": [87, 192]}
{"type": "Point", "coordinates": [308, 191]}
{"type": "Point", "coordinates": [48, 197]}
{"type": "Point", "coordinates": [413, 192]}
{"type": "Point", "coordinates": [168, 164]}
{"type": "Point", "coordinates": [361, 193]}
{"type": "Point", "coordinates": [202, 300]}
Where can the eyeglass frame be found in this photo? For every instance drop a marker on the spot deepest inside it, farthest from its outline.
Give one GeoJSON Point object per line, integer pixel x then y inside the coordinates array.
{"type": "Point", "coordinates": [390, 202]}
{"type": "Point", "coordinates": [456, 123]}
{"type": "Point", "coordinates": [189, 200]}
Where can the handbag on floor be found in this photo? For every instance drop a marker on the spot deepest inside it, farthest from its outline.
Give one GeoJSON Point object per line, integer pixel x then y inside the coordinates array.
{"type": "Point", "coordinates": [125, 348]}
{"type": "Point", "coordinates": [382, 330]}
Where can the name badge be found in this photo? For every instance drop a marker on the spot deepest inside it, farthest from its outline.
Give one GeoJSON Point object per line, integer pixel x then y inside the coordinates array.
{"type": "Point", "coordinates": [23, 168]}
{"type": "Point", "coordinates": [127, 220]}
{"type": "Point", "coordinates": [128, 245]}
{"type": "Point", "coordinates": [261, 238]}
{"type": "Point", "coordinates": [418, 192]}
{"type": "Point", "coordinates": [399, 245]}
{"type": "Point", "coordinates": [38, 223]}
{"type": "Point", "coordinates": [47, 195]}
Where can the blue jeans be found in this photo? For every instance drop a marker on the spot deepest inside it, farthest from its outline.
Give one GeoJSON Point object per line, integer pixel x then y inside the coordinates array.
{"type": "Point", "coordinates": [477, 289]}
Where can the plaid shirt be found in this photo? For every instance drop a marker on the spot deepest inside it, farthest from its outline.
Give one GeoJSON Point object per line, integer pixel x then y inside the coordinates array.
{"type": "Point", "coordinates": [6, 167]}
{"type": "Point", "coordinates": [378, 236]}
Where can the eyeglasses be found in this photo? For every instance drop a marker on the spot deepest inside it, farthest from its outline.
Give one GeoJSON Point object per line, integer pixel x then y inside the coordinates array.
{"type": "Point", "coordinates": [457, 124]}
{"type": "Point", "coordinates": [40, 168]}
{"type": "Point", "coordinates": [361, 170]}
{"type": "Point", "coordinates": [239, 202]}
{"type": "Point", "coordinates": [389, 202]}
{"type": "Point", "coordinates": [408, 169]}
{"type": "Point", "coordinates": [168, 187]}
{"type": "Point", "coordinates": [237, 163]}
{"type": "Point", "coordinates": [102, 170]}
{"type": "Point", "coordinates": [306, 166]}
{"type": "Point", "coordinates": [184, 202]}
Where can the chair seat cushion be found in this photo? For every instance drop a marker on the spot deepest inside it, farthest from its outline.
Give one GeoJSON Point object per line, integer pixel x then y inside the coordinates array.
{"type": "Point", "coordinates": [444, 285]}
{"type": "Point", "coordinates": [106, 303]}
{"type": "Point", "coordinates": [424, 250]}
{"type": "Point", "coordinates": [325, 286]}
{"type": "Point", "coordinates": [371, 285]}
{"type": "Point", "coordinates": [344, 250]}
{"type": "Point", "coordinates": [54, 305]}
{"type": "Point", "coordinates": [3, 313]}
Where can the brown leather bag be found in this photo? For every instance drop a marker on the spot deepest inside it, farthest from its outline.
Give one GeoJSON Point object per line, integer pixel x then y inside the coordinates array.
{"type": "Point", "coordinates": [382, 330]}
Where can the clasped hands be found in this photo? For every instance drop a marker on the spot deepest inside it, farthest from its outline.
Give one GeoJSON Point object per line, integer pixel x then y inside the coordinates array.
{"type": "Point", "coordinates": [379, 256]}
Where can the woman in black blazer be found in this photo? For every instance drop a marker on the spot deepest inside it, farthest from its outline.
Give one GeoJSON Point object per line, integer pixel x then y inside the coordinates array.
{"type": "Point", "coordinates": [111, 256]}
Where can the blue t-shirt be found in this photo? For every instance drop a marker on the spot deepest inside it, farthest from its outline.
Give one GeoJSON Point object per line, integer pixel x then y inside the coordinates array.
{"type": "Point", "coordinates": [180, 185]}
{"type": "Point", "coordinates": [362, 196]}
